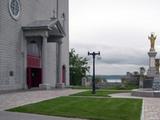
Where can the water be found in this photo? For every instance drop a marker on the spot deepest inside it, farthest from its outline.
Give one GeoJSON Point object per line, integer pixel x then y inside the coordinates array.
{"type": "Point", "coordinates": [113, 80]}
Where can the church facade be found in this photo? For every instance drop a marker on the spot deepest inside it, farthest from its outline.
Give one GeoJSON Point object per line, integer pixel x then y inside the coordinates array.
{"type": "Point", "coordinates": [34, 44]}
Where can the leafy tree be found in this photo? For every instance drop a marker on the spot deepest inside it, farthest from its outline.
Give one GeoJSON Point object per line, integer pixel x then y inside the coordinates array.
{"type": "Point", "coordinates": [78, 67]}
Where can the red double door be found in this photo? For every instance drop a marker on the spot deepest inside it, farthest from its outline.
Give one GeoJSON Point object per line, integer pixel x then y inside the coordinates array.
{"type": "Point", "coordinates": [34, 71]}
{"type": "Point", "coordinates": [34, 77]}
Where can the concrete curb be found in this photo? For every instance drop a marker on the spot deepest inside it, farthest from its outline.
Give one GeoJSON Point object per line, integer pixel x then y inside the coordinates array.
{"type": "Point", "coordinates": [5, 115]}
{"type": "Point", "coordinates": [142, 112]}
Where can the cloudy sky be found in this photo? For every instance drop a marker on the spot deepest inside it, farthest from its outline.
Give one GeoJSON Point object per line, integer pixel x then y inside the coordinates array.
{"type": "Point", "coordinates": [119, 29]}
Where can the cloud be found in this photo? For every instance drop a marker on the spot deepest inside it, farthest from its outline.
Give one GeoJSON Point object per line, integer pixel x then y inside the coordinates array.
{"type": "Point", "coordinates": [125, 56]}
{"type": "Point", "coordinates": [115, 60]}
{"type": "Point", "coordinates": [118, 29]}
{"type": "Point", "coordinates": [119, 69]}
{"type": "Point", "coordinates": [114, 55]}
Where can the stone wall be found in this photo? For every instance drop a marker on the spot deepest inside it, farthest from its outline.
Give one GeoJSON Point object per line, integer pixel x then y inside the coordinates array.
{"type": "Point", "coordinates": [11, 56]}
{"type": "Point", "coordinates": [13, 44]}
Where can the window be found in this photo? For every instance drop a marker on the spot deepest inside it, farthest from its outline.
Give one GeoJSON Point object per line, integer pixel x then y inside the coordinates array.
{"type": "Point", "coordinates": [14, 8]}
{"type": "Point", "coordinates": [33, 49]}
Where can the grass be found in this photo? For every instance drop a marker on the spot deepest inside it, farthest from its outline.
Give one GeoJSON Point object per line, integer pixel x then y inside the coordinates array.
{"type": "Point", "coordinates": [88, 108]}
{"type": "Point", "coordinates": [126, 87]}
{"type": "Point", "coordinates": [102, 93]}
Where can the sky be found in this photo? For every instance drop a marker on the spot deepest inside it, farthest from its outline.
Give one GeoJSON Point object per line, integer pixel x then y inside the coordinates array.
{"type": "Point", "coordinates": [119, 29]}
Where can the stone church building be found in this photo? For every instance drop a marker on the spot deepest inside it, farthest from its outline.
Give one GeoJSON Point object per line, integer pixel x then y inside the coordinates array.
{"type": "Point", "coordinates": [34, 44]}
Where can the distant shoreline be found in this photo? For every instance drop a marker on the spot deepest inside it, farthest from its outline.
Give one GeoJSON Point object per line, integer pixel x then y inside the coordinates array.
{"type": "Point", "coordinates": [110, 76]}
{"type": "Point", "coordinates": [114, 80]}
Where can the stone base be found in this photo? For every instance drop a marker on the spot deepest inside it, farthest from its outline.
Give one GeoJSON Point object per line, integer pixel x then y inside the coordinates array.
{"type": "Point", "coordinates": [46, 86]}
{"type": "Point", "coordinates": [145, 93]}
{"type": "Point", "coordinates": [140, 83]}
{"type": "Point", "coordinates": [60, 85]}
{"type": "Point", "coordinates": [147, 83]}
{"type": "Point", "coordinates": [156, 83]}
{"type": "Point", "coordinates": [151, 72]}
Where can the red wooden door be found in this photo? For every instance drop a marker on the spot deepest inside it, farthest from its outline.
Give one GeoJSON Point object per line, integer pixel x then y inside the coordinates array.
{"type": "Point", "coordinates": [34, 77]}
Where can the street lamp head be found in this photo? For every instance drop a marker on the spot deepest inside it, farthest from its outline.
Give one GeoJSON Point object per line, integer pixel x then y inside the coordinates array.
{"type": "Point", "coordinates": [99, 53]}
{"type": "Point", "coordinates": [88, 53]}
{"type": "Point", "coordinates": [94, 53]}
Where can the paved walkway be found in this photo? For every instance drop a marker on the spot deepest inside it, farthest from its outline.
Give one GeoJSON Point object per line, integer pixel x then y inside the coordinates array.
{"type": "Point", "coordinates": [11, 100]}
{"type": "Point", "coordinates": [15, 99]}
{"type": "Point", "coordinates": [24, 116]}
{"type": "Point", "coordinates": [150, 109]}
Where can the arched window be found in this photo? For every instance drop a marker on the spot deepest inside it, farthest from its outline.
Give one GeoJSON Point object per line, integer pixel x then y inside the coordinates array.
{"type": "Point", "coordinates": [14, 8]}
{"type": "Point", "coordinates": [33, 48]}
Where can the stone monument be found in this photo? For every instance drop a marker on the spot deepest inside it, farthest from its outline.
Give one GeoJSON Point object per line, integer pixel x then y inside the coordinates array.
{"type": "Point", "coordinates": [141, 79]}
{"type": "Point", "coordinates": [149, 86]}
{"type": "Point", "coordinates": [153, 71]}
{"type": "Point", "coordinates": [152, 54]}
{"type": "Point", "coordinates": [156, 81]}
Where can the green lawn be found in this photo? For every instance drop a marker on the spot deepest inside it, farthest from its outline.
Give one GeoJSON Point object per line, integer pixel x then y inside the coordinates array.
{"type": "Point", "coordinates": [102, 93]}
{"type": "Point", "coordinates": [89, 108]}
{"type": "Point", "coordinates": [126, 87]}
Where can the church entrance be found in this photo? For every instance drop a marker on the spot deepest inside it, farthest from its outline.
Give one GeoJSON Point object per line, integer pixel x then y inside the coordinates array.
{"type": "Point", "coordinates": [38, 34]}
{"type": "Point", "coordinates": [34, 77]}
{"type": "Point", "coordinates": [34, 69]}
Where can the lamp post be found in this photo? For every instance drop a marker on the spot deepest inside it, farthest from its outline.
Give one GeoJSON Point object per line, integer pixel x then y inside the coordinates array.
{"type": "Point", "coordinates": [93, 78]}
{"type": "Point", "coordinates": [142, 71]}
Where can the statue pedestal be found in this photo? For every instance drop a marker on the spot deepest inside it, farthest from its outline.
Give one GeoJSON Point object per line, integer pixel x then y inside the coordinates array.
{"type": "Point", "coordinates": [156, 83]}
{"type": "Point", "coordinates": [151, 72]}
{"type": "Point", "coordinates": [152, 69]}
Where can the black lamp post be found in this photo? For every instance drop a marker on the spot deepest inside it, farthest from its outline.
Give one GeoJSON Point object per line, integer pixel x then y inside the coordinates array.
{"type": "Point", "coordinates": [93, 78]}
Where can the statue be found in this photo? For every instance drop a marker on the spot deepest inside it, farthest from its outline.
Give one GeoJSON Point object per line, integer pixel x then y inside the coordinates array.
{"type": "Point", "coordinates": [152, 39]}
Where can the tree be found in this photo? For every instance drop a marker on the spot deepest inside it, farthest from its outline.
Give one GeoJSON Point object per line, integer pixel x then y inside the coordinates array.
{"type": "Point", "coordinates": [78, 67]}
